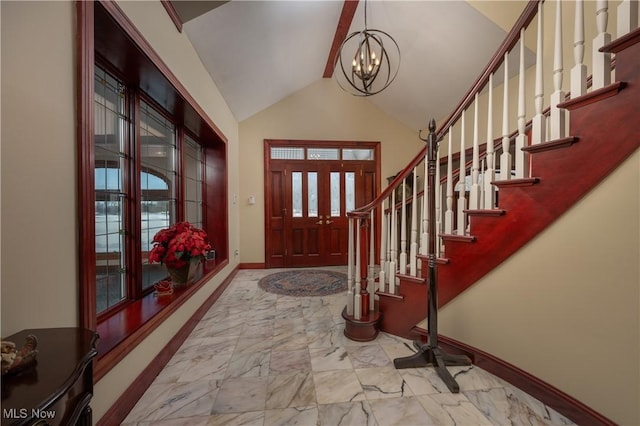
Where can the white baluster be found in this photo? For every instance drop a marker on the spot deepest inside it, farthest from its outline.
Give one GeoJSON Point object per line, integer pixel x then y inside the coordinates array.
{"type": "Point", "coordinates": [357, 298]}
{"type": "Point", "coordinates": [521, 157]}
{"type": "Point", "coordinates": [403, 229]}
{"type": "Point", "coordinates": [383, 249]}
{"type": "Point", "coordinates": [601, 60]}
{"type": "Point", "coordinates": [394, 245]}
{"type": "Point", "coordinates": [462, 201]}
{"type": "Point", "coordinates": [350, 270]}
{"type": "Point", "coordinates": [371, 279]}
{"type": "Point", "coordinates": [474, 193]}
{"type": "Point", "coordinates": [538, 127]}
{"type": "Point", "coordinates": [413, 247]}
{"type": "Point", "coordinates": [505, 158]}
{"type": "Point", "coordinates": [579, 70]}
{"type": "Point", "coordinates": [557, 115]}
{"type": "Point", "coordinates": [627, 17]}
{"type": "Point", "coordinates": [490, 173]}
{"type": "Point", "coordinates": [448, 214]}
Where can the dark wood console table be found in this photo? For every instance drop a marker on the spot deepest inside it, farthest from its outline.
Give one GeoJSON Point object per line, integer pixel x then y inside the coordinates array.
{"type": "Point", "coordinates": [58, 388]}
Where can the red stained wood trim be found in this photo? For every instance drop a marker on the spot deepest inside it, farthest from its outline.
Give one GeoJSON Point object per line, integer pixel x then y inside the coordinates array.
{"type": "Point", "coordinates": [363, 330]}
{"type": "Point", "coordinates": [486, 213]}
{"type": "Point", "coordinates": [549, 395]}
{"type": "Point", "coordinates": [85, 155]}
{"type": "Point", "coordinates": [594, 96]}
{"type": "Point", "coordinates": [123, 21]}
{"type": "Point", "coordinates": [121, 408]}
{"type": "Point", "coordinates": [458, 238]}
{"type": "Point", "coordinates": [411, 278]}
{"type": "Point", "coordinates": [390, 295]}
{"type": "Point", "coordinates": [516, 182]}
{"type": "Point", "coordinates": [344, 23]}
{"type": "Point", "coordinates": [623, 42]}
{"type": "Point", "coordinates": [439, 260]}
{"type": "Point", "coordinates": [549, 146]}
{"type": "Point", "coordinates": [123, 331]}
{"type": "Point", "coordinates": [173, 14]}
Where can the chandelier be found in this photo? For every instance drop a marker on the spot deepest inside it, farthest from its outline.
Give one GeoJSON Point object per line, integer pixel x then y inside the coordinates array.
{"type": "Point", "coordinates": [365, 65]}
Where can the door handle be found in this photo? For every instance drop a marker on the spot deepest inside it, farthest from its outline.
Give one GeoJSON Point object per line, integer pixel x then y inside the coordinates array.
{"type": "Point", "coordinates": [319, 222]}
{"type": "Point", "coordinates": [328, 222]}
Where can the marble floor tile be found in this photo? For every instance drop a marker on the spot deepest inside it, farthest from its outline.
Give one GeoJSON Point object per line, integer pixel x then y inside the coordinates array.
{"type": "Point", "coordinates": [249, 364]}
{"type": "Point", "coordinates": [399, 411]}
{"type": "Point", "coordinates": [368, 356]}
{"type": "Point", "coordinates": [337, 386]}
{"type": "Point", "coordinates": [291, 416]}
{"type": "Point", "coordinates": [295, 389]}
{"type": "Point", "coordinates": [260, 359]}
{"type": "Point", "coordinates": [326, 359]}
{"type": "Point", "coordinates": [248, 418]}
{"type": "Point", "coordinates": [240, 395]}
{"type": "Point", "coordinates": [452, 409]}
{"type": "Point", "coordinates": [382, 382]}
{"type": "Point", "coordinates": [347, 414]}
{"type": "Point", "coordinates": [175, 400]}
{"type": "Point", "coordinates": [287, 361]}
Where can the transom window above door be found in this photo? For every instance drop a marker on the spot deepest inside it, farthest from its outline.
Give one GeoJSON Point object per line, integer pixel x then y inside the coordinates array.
{"type": "Point", "coordinates": [307, 153]}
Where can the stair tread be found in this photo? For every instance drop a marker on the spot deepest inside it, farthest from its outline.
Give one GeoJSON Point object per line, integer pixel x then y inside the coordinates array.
{"type": "Point", "coordinates": [455, 237]}
{"type": "Point", "coordinates": [551, 145]}
{"type": "Point", "coordinates": [440, 260]}
{"type": "Point", "coordinates": [516, 182]}
{"type": "Point", "coordinates": [390, 295]}
{"type": "Point", "coordinates": [418, 280]}
{"type": "Point", "coordinates": [486, 212]}
{"type": "Point", "coordinates": [593, 96]}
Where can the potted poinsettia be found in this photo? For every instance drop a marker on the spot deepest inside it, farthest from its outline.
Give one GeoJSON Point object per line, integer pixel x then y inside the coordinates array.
{"type": "Point", "coordinates": [181, 247]}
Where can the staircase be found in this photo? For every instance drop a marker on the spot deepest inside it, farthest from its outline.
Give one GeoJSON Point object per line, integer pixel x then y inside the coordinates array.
{"type": "Point", "coordinates": [552, 165]}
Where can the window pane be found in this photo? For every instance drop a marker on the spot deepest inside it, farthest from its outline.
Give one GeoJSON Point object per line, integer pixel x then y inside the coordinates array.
{"type": "Point", "coordinates": [335, 193]}
{"type": "Point", "coordinates": [357, 154]}
{"type": "Point", "coordinates": [296, 193]}
{"type": "Point", "coordinates": [193, 182]}
{"type": "Point", "coordinates": [350, 191]}
{"type": "Point", "coordinates": [157, 184]}
{"type": "Point", "coordinates": [287, 153]}
{"type": "Point", "coordinates": [323, 154]}
{"type": "Point", "coordinates": [312, 190]}
{"type": "Point", "coordinates": [110, 126]}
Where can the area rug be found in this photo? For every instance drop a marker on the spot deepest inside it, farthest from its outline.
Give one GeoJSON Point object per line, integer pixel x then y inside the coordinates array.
{"type": "Point", "coordinates": [306, 282]}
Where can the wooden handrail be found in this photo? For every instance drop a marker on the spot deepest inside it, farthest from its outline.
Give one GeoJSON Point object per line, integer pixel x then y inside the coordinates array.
{"type": "Point", "coordinates": [509, 42]}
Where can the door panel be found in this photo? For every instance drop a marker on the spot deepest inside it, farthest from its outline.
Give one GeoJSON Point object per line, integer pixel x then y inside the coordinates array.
{"type": "Point", "coordinates": [308, 197]}
{"type": "Point", "coordinates": [276, 218]}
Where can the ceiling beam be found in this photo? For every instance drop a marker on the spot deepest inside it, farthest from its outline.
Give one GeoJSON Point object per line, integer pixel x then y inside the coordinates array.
{"type": "Point", "coordinates": [344, 23]}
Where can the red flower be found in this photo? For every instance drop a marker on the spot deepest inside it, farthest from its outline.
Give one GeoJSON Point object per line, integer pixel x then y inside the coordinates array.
{"type": "Point", "coordinates": [178, 245]}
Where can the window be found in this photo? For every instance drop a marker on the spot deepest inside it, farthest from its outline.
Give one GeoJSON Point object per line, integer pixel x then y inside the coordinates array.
{"type": "Point", "coordinates": [118, 142]}
{"type": "Point", "coordinates": [148, 156]}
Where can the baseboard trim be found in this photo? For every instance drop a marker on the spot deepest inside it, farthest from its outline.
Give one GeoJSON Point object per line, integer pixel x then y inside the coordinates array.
{"type": "Point", "coordinates": [123, 405]}
{"type": "Point", "coordinates": [255, 265]}
{"type": "Point", "coordinates": [544, 392]}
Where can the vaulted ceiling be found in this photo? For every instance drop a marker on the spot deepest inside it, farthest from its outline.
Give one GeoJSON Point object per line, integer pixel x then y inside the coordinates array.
{"type": "Point", "coordinates": [260, 52]}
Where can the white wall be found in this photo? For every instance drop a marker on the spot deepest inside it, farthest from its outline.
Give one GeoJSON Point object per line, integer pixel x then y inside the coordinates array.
{"type": "Point", "coordinates": [39, 257]}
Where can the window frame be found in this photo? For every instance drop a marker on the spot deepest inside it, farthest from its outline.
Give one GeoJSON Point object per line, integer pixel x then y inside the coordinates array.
{"type": "Point", "coordinates": [105, 32]}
